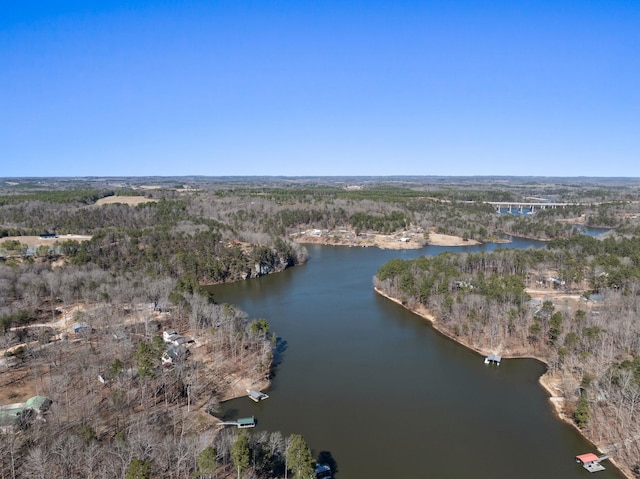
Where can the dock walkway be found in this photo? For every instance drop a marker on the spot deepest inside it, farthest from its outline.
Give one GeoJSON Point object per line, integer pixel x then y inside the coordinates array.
{"type": "Point", "coordinates": [241, 423]}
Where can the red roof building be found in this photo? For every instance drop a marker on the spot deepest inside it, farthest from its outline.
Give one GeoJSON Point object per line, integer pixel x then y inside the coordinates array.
{"type": "Point", "coordinates": [587, 458]}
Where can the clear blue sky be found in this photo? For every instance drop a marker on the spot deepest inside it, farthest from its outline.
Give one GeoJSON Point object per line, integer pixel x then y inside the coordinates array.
{"type": "Point", "coordinates": [319, 88]}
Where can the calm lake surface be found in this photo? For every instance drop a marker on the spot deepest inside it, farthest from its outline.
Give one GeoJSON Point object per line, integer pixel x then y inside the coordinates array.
{"type": "Point", "coordinates": [386, 395]}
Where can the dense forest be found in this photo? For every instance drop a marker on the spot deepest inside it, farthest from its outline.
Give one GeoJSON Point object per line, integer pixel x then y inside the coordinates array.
{"type": "Point", "coordinates": [82, 312]}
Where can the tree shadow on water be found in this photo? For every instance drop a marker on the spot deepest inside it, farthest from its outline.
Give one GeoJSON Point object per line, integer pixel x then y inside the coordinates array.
{"type": "Point", "coordinates": [278, 351]}
{"type": "Point", "coordinates": [230, 415]}
{"type": "Point", "coordinates": [325, 457]}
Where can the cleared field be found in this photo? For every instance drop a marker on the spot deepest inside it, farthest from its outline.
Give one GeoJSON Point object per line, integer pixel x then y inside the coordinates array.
{"type": "Point", "coordinates": [35, 241]}
{"type": "Point", "coordinates": [125, 200]}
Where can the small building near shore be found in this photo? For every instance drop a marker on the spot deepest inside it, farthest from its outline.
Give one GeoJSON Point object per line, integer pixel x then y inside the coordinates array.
{"type": "Point", "coordinates": [245, 422]}
{"type": "Point", "coordinates": [257, 396]}
{"type": "Point", "coordinates": [591, 462]}
{"type": "Point", "coordinates": [493, 359]}
{"type": "Point", "coordinates": [585, 458]}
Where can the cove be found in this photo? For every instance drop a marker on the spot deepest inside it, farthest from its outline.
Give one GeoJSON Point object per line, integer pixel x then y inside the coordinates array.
{"type": "Point", "coordinates": [384, 393]}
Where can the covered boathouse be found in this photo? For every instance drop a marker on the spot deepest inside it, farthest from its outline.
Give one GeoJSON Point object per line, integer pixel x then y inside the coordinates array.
{"type": "Point", "coordinates": [591, 462]}
{"type": "Point", "coordinates": [493, 359]}
{"type": "Point", "coordinates": [257, 396]}
{"type": "Point", "coordinates": [245, 422]}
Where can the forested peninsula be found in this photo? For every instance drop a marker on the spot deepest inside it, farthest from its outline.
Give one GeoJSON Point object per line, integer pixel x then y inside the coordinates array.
{"type": "Point", "coordinates": [573, 304]}
{"type": "Point", "coordinates": [115, 355]}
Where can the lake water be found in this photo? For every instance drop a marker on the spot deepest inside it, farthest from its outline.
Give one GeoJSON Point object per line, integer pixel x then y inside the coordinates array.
{"type": "Point", "coordinates": [386, 395]}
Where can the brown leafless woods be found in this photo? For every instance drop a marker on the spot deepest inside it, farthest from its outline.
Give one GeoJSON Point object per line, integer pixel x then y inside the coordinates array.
{"type": "Point", "coordinates": [82, 317]}
{"type": "Point", "coordinates": [575, 305]}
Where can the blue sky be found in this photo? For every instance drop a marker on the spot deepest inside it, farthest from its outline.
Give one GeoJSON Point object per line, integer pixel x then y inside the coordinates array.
{"type": "Point", "coordinates": [113, 88]}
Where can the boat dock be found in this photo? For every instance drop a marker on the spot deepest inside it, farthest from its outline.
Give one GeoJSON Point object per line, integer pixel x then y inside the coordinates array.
{"type": "Point", "coordinates": [257, 396]}
{"type": "Point", "coordinates": [591, 462]}
{"type": "Point", "coordinates": [246, 422]}
{"type": "Point", "coordinates": [493, 359]}
{"type": "Point", "coordinates": [241, 423]}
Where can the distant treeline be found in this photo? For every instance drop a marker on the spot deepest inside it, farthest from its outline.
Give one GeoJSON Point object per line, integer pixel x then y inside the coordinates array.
{"type": "Point", "coordinates": [63, 196]}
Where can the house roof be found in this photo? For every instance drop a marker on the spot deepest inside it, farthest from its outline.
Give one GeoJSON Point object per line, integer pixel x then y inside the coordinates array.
{"type": "Point", "coordinates": [588, 457]}
{"type": "Point", "coordinates": [80, 326]}
{"type": "Point", "coordinates": [38, 402]}
{"type": "Point", "coordinates": [255, 394]}
{"type": "Point", "coordinates": [175, 352]}
{"type": "Point", "coordinates": [10, 416]}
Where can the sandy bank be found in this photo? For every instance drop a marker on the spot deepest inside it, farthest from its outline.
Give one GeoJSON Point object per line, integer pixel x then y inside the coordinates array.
{"type": "Point", "coordinates": [438, 239]}
{"type": "Point", "coordinates": [238, 387]}
{"type": "Point", "coordinates": [399, 241]}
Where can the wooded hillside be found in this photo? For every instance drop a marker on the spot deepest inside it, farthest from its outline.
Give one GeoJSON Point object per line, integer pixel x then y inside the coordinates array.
{"type": "Point", "coordinates": [574, 304]}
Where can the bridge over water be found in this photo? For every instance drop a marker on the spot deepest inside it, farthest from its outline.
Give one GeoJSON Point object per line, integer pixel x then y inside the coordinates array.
{"type": "Point", "coordinates": [520, 207]}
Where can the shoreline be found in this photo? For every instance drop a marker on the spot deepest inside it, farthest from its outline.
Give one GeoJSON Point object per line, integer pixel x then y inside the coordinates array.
{"type": "Point", "coordinates": [239, 388]}
{"type": "Point", "coordinates": [384, 241]}
{"type": "Point", "coordinates": [545, 380]}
